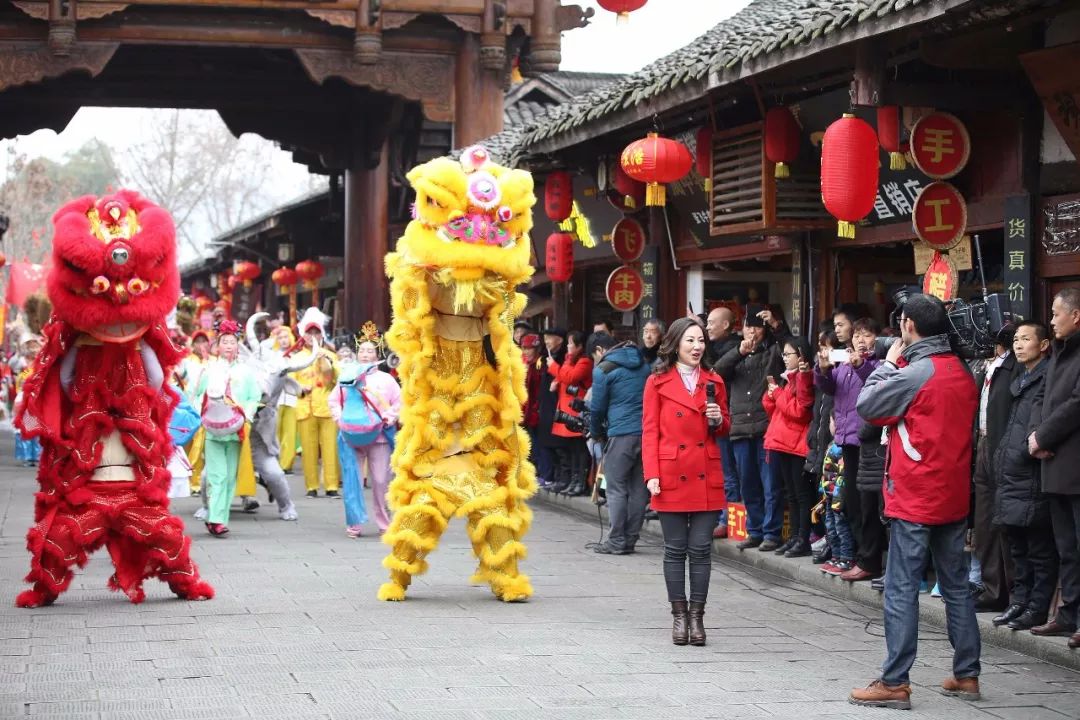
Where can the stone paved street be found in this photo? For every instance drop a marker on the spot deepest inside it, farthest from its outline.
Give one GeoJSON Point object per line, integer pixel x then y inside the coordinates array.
{"type": "Point", "coordinates": [295, 632]}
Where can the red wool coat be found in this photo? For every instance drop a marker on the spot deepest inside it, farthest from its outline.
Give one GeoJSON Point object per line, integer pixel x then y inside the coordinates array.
{"type": "Point", "coordinates": [790, 411]}
{"type": "Point", "coordinates": [679, 447]}
{"type": "Point", "coordinates": [571, 373]}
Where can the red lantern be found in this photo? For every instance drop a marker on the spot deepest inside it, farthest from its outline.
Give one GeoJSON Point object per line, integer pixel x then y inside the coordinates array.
{"type": "Point", "coordinates": [247, 271]}
{"type": "Point", "coordinates": [655, 161]}
{"type": "Point", "coordinates": [849, 172]}
{"type": "Point", "coordinates": [781, 139]}
{"type": "Point", "coordinates": [310, 271]}
{"type": "Point", "coordinates": [559, 257]}
{"type": "Point", "coordinates": [559, 195]}
{"type": "Point", "coordinates": [622, 8]}
{"type": "Point", "coordinates": [284, 277]}
{"type": "Point", "coordinates": [703, 157]}
{"type": "Point", "coordinates": [888, 130]}
{"type": "Point", "coordinates": [631, 193]}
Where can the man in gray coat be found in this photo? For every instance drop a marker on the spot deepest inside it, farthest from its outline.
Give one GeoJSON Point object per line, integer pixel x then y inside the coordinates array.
{"type": "Point", "coordinates": [1055, 439]}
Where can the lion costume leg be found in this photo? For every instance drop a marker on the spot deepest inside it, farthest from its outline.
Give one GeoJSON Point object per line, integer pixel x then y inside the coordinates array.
{"type": "Point", "coordinates": [413, 533]}
{"type": "Point", "coordinates": [63, 539]}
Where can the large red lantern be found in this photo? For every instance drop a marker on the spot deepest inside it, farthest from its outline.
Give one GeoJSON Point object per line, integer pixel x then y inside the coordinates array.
{"type": "Point", "coordinates": [622, 8]}
{"type": "Point", "coordinates": [781, 139]}
{"type": "Point", "coordinates": [656, 161]}
{"type": "Point", "coordinates": [310, 271]}
{"type": "Point", "coordinates": [247, 271]}
{"type": "Point", "coordinates": [630, 194]}
{"type": "Point", "coordinates": [703, 157]}
{"type": "Point", "coordinates": [888, 130]}
{"type": "Point", "coordinates": [849, 172]}
{"type": "Point", "coordinates": [559, 257]}
{"type": "Point", "coordinates": [284, 277]}
{"type": "Point", "coordinates": [559, 195]}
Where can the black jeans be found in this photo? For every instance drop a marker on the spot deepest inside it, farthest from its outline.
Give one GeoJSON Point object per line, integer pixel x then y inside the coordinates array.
{"type": "Point", "coordinates": [688, 534]}
{"type": "Point", "coordinates": [797, 490]}
{"type": "Point", "coordinates": [849, 494]}
{"type": "Point", "coordinates": [1065, 516]}
{"type": "Point", "coordinates": [1035, 560]}
{"type": "Point", "coordinates": [872, 538]}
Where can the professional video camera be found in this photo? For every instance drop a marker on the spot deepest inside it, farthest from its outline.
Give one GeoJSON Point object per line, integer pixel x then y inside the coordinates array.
{"type": "Point", "coordinates": [973, 326]}
{"type": "Point", "coordinates": [575, 423]}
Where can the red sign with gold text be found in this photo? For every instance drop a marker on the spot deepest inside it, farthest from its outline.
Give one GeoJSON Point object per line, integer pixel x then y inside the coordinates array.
{"type": "Point", "coordinates": [628, 239]}
{"type": "Point", "coordinates": [625, 288]}
{"type": "Point", "coordinates": [940, 215]}
{"type": "Point", "coordinates": [940, 145]}
{"type": "Point", "coordinates": [941, 278]}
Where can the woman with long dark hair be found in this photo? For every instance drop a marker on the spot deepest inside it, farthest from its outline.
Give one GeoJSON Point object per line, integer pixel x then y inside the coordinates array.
{"type": "Point", "coordinates": [572, 379]}
{"type": "Point", "coordinates": [684, 410]}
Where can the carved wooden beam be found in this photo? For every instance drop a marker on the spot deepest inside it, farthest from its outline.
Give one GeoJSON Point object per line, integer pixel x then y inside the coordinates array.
{"type": "Point", "coordinates": [61, 26]}
{"type": "Point", "coordinates": [39, 9]}
{"type": "Point", "coordinates": [24, 63]}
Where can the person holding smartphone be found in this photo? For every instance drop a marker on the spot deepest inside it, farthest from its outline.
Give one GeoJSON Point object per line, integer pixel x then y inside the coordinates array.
{"type": "Point", "coordinates": [789, 402]}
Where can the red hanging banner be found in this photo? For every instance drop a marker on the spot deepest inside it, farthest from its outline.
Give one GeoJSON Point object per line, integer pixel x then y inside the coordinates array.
{"type": "Point", "coordinates": [940, 216]}
{"type": "Point", "coordinates": [625, 288]}
{"type": "Point", "coordinates": [940, 145]}
{"type": "Point", "coordinates": [628, 239]}
{"type": "Point", "coordinates": [941, 279]}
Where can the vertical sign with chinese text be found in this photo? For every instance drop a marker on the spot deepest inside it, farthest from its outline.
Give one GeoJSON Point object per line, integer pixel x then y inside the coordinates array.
{"type": "Point", "coordinates": [650, 302]}
{"type": "Point", "coordinates": [795, 321]}
{"type": "Point", "coordinates": [1018, 255]}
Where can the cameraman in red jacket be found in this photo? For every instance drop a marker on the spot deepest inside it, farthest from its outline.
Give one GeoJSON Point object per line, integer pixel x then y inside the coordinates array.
{"type": "Point", "coordinates": [684, 411]}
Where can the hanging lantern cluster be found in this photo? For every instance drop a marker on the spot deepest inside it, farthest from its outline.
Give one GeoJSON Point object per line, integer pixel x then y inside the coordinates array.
{"type": "Point", "coordinates": [559, 195]}
{"type": "Point", "coordinates": [622, 8]}
{"type": "Point", "coordinates": [888, 128]}
{"type": "Point", "coordinates": [247, 271]}
{"type": "Point", "coordinates": [559, 257]}
{"type": "Point", "coordinates": [781, 139]}
{"type": "Point", "coordinates": [849, 172]}
{"type": "Point", "coordinates": [656, 161]}
{"type": "Point", "coordinates": [703, 157]}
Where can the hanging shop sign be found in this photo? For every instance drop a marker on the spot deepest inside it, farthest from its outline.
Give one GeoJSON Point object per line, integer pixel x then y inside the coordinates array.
{"type": "Point", "coordinates": [625, 288]}
{"type": "Point", "coordinates": [960, 254]}
{"type": "Point", "coordinates": [1018, 256]}
{"type": "Point", "coordinates": [650, 300]}
{"type": "Point", "coordinates": [941, 279]}
{"type": "Point", "coordinates": [940, 145]}
{"type": "Point", "coordinates": [628, 239]}
{"type": "Point", "coordinates": [940, 215]}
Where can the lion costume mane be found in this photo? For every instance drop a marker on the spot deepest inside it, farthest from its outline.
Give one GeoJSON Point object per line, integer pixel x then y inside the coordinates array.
{"type": "Point", "coordinates": [461, 450]}
{"type": "Point", "coordinates": [98, 401]}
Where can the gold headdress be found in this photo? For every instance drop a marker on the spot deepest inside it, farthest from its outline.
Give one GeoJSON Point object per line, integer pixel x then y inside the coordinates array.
{"type": "Point", "coordinates": [369, 332]}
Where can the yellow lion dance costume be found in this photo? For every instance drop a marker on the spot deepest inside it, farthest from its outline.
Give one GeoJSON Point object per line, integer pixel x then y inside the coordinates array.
{"type": "Point", "coordinates": [461, 450]}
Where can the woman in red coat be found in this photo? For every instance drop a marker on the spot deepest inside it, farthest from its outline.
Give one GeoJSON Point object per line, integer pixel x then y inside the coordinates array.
{"type": "Point", "coordinates": [572, 378]}
{"type": "Point", "coordinates": [789, 401]}
{"type": "Point", "coordinates": [682, 465]}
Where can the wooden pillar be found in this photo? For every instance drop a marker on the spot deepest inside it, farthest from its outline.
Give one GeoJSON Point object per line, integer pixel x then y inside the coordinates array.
{"type": "Point", "coordinates": [560, 304]}
{"type": "Point", "coordinates": [478, 96]}
{"type": "Point", "coordinates": [367, 294]}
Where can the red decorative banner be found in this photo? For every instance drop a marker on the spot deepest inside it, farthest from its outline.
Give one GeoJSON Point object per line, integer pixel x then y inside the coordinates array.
{"type": "Point", "coordinates": [624, 288]}
{"type": "Point", "coordinates": [940, 216]}
{"type": "Point", "coordinates": [628, 239]}
{"type": "Point", "coordinates": [941, 279]}
{"type": "Point", "coordinates": [940, 145]}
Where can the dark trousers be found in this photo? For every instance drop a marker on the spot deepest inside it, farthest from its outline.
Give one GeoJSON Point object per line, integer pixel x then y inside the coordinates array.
{"type": "Point", "coordinates": [991, 546]}
{"type": "Point", "coordinates": [627, 496]}
{"type": "Point", "coordinates": [849, 494]}
{"type": "Point", "coordinates": [688, 535]}
{"type": "Point", "coordinates": [797, 490]}
{"type": "Point", "coordinates": [1035, 563]}
{"type": "Point", "coordinates": [1065, 517]}
{"type": "Point", "coordinates": [872, 538]}
{"type": "Point", "coordinates": [572, 462]}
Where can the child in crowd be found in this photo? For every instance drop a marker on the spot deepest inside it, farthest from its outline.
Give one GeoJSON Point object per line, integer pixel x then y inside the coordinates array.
{"type": "Point", "coordinates": [841, 540]}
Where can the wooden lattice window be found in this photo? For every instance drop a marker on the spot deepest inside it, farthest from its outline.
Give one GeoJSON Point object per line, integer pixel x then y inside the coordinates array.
{"type": "Point", "coordinates": [746, 198]}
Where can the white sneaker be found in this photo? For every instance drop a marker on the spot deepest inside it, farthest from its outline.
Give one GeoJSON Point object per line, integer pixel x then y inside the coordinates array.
{"type": "Point", "coordinates": [289, 513]}
{"type": "Point", "coordinates": [200, 514]}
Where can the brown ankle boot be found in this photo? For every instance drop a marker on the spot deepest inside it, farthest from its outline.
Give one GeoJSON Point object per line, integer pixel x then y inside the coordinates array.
{"type": "Point", "coordinates": [697, 624]}
{"type": "Point", "coordinates": [679, 629]}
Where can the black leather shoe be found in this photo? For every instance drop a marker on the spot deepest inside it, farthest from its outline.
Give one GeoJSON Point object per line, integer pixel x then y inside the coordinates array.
{"type": "Point", "coordinates": [1053, 629]}
{"type": "Point", "coordinates": [1011, 613]}
{"type": "Point", "coordinates": [749, 543]}
{"type": "Point", "coordinates": [800, 548]}
{"type": "Point", "coordinates": [605, 549]}
{"type": "Point", "coordinates": [785, 547]}
{"type": "Point", "coordinates": [1027, 620]}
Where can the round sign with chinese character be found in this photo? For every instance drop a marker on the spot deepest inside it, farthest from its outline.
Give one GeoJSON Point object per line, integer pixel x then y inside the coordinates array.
{"type": "Point", "coordinates": [940, 216]}
{"type": "Point", "coordinates": [628, 239]}
{"type": "Point", "coordinates": [941, 279]}
{"type": "Point", "coordinates": [940, 145]}
{"type": "Point", "coordinates": [625, 288]}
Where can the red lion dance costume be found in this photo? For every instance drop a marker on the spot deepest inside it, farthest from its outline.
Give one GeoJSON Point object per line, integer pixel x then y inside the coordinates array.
{"type": "Point", "coordinates": [98, 401]}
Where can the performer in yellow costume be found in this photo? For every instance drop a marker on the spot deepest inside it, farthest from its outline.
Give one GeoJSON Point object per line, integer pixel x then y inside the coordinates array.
{"type": "Point", "coordinates": [317, 429]}
{"type": "Point", "coordinates": [461, 451]}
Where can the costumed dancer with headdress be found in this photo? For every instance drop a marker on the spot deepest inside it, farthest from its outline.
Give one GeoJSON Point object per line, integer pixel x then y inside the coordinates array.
{"type": "Point", "coordinates": [283, 341]}
{"type": "Point", "coordinates": [461, 451]}
{"type": "Point", "coordinates": [97, 400]}
{"type": "Point", "coordinates": [191, 370]}
{"type": "Point", "coordinates": [317, 429]}
{"type": "Point", "coordinates": [27, 449]}
{"type": "Point", "coordinates": [229, 397]}
{"type": "Point", "coordinates": [366, 405]}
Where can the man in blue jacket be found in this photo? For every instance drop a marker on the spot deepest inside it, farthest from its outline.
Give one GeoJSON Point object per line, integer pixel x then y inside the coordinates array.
{"type": "Point", "coordinates": [615, 406]}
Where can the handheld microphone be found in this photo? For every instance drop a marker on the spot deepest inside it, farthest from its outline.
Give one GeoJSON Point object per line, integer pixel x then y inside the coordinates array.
{"type": "Point", "coordinates": [710, 395]}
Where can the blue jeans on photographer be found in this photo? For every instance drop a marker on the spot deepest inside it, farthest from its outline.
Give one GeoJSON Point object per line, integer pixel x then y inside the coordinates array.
{"type": "Point", "coordinates": [760, 488]}
{"type": "Point", "coordinates": [911, 546]}
{"type": "Point", "coordinates": [731, 475]}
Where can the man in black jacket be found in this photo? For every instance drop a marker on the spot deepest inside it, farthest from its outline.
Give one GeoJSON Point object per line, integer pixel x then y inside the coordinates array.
{"type": "Point", "coordinates": [1055, 421]}
{"type": "Point", "coordinates": [555, 343]}
{"type": "Point", "coordinates": [718, 326]}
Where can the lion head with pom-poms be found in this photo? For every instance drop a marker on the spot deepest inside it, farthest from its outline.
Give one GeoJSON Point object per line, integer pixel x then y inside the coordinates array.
{"type": "Point", "coordinates": [114, 269]}
{"type": "Point", "coordinates": [471, 218]}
